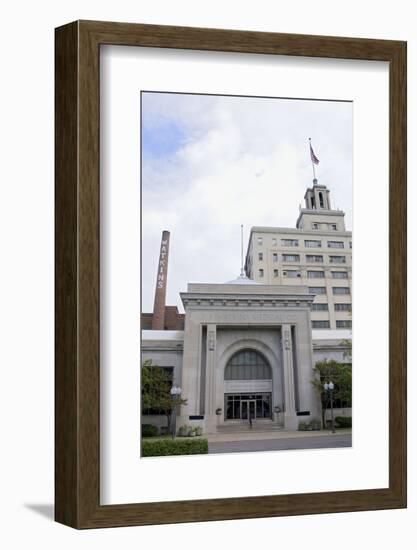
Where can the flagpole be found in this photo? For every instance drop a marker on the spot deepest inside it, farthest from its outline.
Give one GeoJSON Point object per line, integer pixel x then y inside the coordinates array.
{"type": "Point", "coordinates": [241, 250]}
{"type": "Point", "coordinates": [312, 163]}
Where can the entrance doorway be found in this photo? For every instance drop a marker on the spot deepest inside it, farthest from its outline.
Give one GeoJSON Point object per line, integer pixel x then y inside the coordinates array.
{"type": "Point", "coordinates": [242, 406]}
{"type": "Point", "coordinates": [248, 409]}
{"type": "Point", "coordinates": [248, 370]}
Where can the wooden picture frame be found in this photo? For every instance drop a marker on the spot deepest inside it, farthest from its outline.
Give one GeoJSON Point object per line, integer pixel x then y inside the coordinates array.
{"type": "Point", "coordinates": [77, 405]}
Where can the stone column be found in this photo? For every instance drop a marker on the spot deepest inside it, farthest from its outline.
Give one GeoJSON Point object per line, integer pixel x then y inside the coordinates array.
{"type": "Point", "coordinates": [290, 415]}
{"type": "Point", "coordinates": [190, 369]}
{"type": "Point", "coordinates": [211, 366]}
{"type": "Point", "coordinates": [309, 400]}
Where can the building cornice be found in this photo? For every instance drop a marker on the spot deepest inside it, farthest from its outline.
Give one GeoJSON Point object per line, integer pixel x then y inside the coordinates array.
{"type": "Point", "coordinates": [246, 297]}
{"type": "Point", "coordinates": [296, 231]}
{"type": "Point", "coordinates": [319, 213]}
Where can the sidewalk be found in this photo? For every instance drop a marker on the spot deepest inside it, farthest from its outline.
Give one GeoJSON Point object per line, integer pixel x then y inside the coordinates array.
{"type": "Point", "coordinates": [259, 436]}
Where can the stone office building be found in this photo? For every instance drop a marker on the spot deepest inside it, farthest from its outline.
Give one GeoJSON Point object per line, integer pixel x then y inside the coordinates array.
{"type": "Point", "coordinates": [316, 254]}
{"type": "Point", "coordinates": [244, 350]}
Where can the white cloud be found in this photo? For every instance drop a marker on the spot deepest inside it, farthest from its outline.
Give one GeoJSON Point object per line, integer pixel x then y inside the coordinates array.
{"type": "Point", "coordinates": [245, 160]}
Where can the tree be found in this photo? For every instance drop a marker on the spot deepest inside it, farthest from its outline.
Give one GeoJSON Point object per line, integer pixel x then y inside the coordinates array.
{"type": "Point", "coordinates": [156, 385]}
{"type": "Point", "coordinates": [341, 376]}
{"type": "Point", "coordinates": [347, 354]}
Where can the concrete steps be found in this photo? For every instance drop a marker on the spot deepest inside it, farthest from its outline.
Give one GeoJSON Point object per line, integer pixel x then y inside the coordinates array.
{"type": "Point", "coordinates": [246, 427]}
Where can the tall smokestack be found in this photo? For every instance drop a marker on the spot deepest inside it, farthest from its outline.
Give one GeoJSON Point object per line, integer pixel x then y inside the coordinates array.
{"type": "Point", "coordinates": [158, 318]}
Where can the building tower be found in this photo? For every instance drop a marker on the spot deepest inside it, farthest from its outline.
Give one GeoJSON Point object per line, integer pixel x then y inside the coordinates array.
{"type": "Point", "coordinates": [316, 253]}
{"type": "Point", "coordinates": [318, 213]}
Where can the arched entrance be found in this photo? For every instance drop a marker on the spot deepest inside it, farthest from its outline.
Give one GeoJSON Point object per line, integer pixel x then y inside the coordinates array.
{"type": "Point", "coordinates": [248, 387]}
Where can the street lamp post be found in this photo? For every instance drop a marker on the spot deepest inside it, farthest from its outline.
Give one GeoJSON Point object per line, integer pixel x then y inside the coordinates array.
{"type": "Point", "coordinates": [176, 394]}
{"type": "Point", "coordinates": [329, 387]}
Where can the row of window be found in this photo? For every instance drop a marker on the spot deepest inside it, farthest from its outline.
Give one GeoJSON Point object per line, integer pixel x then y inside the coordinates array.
{"type": "Point", "coordinates": [321, 274]}
{"type": "Point", "coordinates": [326, 324]}
{"type": "Point", "coordinates": [325, 307]}
{"type": "Point", "coordinates": [308, 243]}
{"type": "Point", "coordinates": [295, 273]}
{"type": "Point", "coordinates": [337, 290]}
{"type": "Point", "coordinates": [311, 258]}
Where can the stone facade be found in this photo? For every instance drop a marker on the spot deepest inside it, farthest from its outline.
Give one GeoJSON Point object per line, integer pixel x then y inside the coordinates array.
{"type": "Point", "coordinates": [317, 253]}
{"type": "Point", "coordinates": [220, 321]}
{"type": "Point", "coordinates": [165, 349]}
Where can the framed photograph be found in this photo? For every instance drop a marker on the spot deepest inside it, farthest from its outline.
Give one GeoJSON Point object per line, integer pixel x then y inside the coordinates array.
{"type": "Point", "coordinates": [230, 274]}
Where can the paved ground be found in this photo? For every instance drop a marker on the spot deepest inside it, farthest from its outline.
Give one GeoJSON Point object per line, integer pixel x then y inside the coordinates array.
{"type": "Point", "coordinates": [272, 434]}
{"type": "Point", "coordinates": [282, 443]}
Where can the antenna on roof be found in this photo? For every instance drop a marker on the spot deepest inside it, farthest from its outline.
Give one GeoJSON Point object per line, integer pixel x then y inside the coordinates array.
{"type": "Point", "coordinates": [242, 273]}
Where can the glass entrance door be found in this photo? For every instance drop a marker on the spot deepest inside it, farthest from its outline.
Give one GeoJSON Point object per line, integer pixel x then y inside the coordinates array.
{"type": "Point", "coordinates": [248, 409]}
{"type": "Point", "coordinates": [238, 406]}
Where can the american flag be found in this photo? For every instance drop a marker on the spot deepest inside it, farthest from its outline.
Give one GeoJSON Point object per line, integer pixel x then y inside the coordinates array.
{"type": "Point", "coordinates": [314, 159]}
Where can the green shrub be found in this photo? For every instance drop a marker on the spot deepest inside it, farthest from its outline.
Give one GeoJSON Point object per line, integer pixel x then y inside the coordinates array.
{"type": "Point", "coordinates": [315, 424]}
{"type": "Point", "coordinates": [190, 431]}
{"type": "Point", "coordinates": [167, 447]}
{"type": "Point", "coordinates": [343, 421]}
{"type": "Point", "coordinates": [148, 430]}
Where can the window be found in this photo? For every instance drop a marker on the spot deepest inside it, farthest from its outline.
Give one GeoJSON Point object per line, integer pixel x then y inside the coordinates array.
{"type": "Point", "coordinates": [291, 273]}
{"type": "Point", "coordinates": [260, 241]}
{"type": "Point", "coordinates": [339, 275]}
{"type": "Point", "coordinates": [313, 258]}
{"type": "Point", "coordinates": [343, 307]}
{"type": "Point", "coordinates": [350, 244]}
{"type": "Point", "coordinates": [260, 256]}
{"type": "Point", "coordinates": [290, 257]}
{"type": "Point", "coordinates": [312, 244]}
{"type": "Point", "coordinates": [274, 242]}
{"type": "Point", "coordinates": [315, 225]}
{"type": "Point", "coordinates": [261, 273]}
{"type": "Point", "coordinates": [321, 200]}
{"type": "Point", "coordinates": [332, 226]}
{"type": "Point", "coordinates": [247, 365]}
{"type": "Point", "coordinates": [319, 307]}
{"type": "Point", "coordinates": [317, 289]}
{"type": "Point", "coordinates": [338, 290]}
{"type": "Point", "coordinates": [315, 274]}
{"type": "Point", "coordinates": [335, 244]}
{"type": "Point", "coordinates": [337, 259]}
{"type": "Point", "coordinates": [343, 324]}
{"type": "Point", "coordinates": [289, 242]}
{"type": "Point", "coordinates": [274, 257]}
{"type": "Point", "coordinates": [275, 273]}
{"type": "Point", "coordinates": [320, 324]}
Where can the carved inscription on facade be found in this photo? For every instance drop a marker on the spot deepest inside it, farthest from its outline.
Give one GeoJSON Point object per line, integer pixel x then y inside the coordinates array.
{"type": "Point", "coordinates": [287, 339]}
{"type": "Point", "coordinates": [211, 340]}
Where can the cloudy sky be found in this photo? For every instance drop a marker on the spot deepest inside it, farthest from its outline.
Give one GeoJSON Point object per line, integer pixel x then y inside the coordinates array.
{"type": "Point", "coordinates": [212, 163]}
